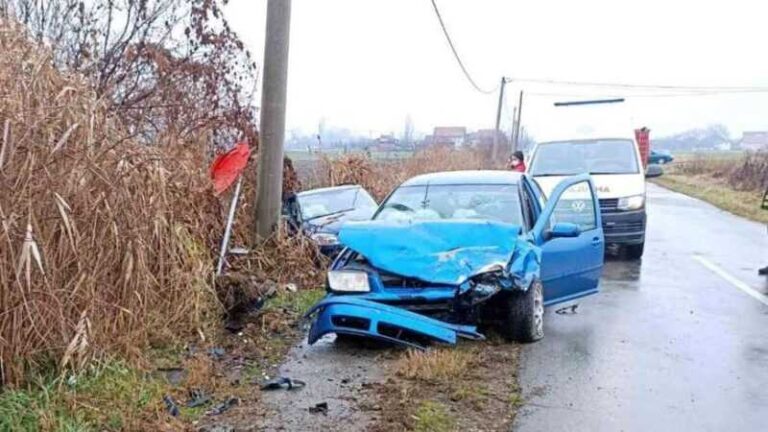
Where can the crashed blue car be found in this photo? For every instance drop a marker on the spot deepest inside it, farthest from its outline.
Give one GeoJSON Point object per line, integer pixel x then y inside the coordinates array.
{"type": "Point", "coordinates": [448, 253]}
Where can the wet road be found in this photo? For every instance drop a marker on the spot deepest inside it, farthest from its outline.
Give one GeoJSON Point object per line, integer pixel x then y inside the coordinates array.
{"type": "Point", "coordinates": [679, 342]}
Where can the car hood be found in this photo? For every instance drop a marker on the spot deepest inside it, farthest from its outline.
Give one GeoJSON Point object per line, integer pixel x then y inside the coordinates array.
{"type": "Point", "coordinates": [445, 251]}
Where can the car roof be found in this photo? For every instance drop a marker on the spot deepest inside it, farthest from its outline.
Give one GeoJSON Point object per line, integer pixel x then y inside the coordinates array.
{"type": "Point", "coordinates": [465, 177]}
{"type": "Point", "coordinates": [587, 140]}
{"type": "Point", "coordinates": [328, 189]}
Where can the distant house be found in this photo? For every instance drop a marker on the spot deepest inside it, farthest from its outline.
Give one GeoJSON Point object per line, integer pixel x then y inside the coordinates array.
{"type": "Point", "coordinates": [755, 141]}
{"type": "Point", "coordinates": [483, 139]}
{"type": "Point", "coordinates": [449, 136]}
{"type": "Point", "coordinates": [386, 143]}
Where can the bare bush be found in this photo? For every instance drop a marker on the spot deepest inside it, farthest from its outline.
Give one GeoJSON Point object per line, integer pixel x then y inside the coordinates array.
{"type": "Point", "coordinates": [171, 69]}
{"type": "Point", "coordinates": [106, 243]}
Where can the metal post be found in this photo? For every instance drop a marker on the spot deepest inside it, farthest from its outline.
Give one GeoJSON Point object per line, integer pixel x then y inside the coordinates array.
{"type": "Point", "coordinates": [228, 228]}
{"type": "Point", "coordinates": [517, 126]}
{"type": "Point", "coordinates": [272, 133]}
{"type": "Point", "coordinates": [495, 149]}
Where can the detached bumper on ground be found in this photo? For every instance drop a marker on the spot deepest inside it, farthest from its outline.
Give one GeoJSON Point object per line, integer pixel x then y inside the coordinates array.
{"type": "Point", "coordinates": [354, 316]}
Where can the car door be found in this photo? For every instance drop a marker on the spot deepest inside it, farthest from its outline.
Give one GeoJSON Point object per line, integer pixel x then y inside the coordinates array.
{"type": "Point", "coordinates": [570, 266]}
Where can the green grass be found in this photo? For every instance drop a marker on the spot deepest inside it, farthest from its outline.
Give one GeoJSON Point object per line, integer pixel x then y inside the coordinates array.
{"type": "Point", "coordinates": [744, 204]}
{"type": "Point", "coordinates": [108, 396]}
{"type": "Point", "coordinates": [297, 302]}
{"type": "Point", "coordinates": [433, 417]}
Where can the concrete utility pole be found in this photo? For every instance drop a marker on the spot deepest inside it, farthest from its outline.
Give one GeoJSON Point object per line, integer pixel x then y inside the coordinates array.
{"type": "Point", "coordinates": [272, 134]}
{"type": "Point", "coordinates": [495, 150]}
{"type": "Point", "coordinates": [517, 125]}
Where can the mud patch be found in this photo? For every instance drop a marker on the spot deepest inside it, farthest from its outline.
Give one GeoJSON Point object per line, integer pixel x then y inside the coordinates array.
{"type": "Point", "coordinates": [339, 375]}
{"type": "Point", "coordinates": [470, 387]}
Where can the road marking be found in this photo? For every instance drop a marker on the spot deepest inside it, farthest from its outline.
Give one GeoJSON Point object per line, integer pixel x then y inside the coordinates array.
{"type": "Point", "coordinates": [728, 277]}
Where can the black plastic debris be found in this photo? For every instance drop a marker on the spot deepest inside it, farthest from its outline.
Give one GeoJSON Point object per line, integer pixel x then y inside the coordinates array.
{"type": "Point", "coordinates": [282, 383]}
{"type": "Point", "coordinates": [319, 408]}
{"type": "Point", "coordinates": [171, 406]}
{"type": "Point", "coordinates": [224, 406]}
{"type": "Point", "coordinates": [197, 398]}
{"type": "Point", "coordinates": [568, 310]}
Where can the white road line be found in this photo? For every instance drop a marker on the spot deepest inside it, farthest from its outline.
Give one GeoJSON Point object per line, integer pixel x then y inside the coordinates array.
{"type": "Point", "coordinates": [728, 277]}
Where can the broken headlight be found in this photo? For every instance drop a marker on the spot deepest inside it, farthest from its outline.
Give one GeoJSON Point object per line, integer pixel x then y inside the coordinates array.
{"type": "Point", "coordinates": [633, 202]}
{"type": "Point", "coordinates": [348, 281]}
{"type": "Point", "coordinates": [325, 239]}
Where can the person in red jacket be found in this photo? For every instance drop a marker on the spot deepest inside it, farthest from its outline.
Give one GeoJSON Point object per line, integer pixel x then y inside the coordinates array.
{"type": "Point", "coordinates": [517, 162]}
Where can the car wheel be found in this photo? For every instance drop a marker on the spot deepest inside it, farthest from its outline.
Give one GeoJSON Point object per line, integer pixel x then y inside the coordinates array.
{"type": "Point", "coordinates": [635, 252]}
{"type": "Point", "coordinates": [523, 319]}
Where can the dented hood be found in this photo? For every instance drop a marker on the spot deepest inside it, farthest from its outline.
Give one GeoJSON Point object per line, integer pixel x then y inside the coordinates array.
{"type": "Point", "coordinates": [443, 251]}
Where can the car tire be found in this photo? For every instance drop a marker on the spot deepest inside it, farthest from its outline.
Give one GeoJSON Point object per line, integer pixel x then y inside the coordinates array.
{"type": "Point", "coordinates": [523, 315]}
{"type": "Point", "coordinates": [634, 252]}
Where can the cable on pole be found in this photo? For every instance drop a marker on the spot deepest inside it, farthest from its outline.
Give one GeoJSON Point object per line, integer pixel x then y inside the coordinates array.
{"type": "Point", "coordinates": [724, 89]}
{"type": "Point", "coordinates": [456, 54]}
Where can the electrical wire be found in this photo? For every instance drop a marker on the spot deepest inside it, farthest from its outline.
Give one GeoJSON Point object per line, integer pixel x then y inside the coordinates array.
{"type": "Point", "coordinates": [649, 95]}
{"type": "Point", "coordinates": [725, 89]}
{"type": "Point", "coordinates": [456, 54]}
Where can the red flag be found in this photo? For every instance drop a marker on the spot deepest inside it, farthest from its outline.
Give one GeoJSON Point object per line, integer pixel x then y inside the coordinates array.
{"type": "Point", "coordinates": [228, 166]}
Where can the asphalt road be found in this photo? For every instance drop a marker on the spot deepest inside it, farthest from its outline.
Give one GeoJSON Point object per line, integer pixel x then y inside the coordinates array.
{"type": "Point", "coordinates": [677, 342]}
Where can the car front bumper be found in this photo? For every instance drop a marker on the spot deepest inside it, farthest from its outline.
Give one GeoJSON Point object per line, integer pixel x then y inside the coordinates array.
{"type": "Point", "coordinates": [624, 227]}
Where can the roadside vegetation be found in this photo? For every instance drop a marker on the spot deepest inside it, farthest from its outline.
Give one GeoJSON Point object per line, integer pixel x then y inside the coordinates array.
{"type": "Point", "coordinates": [469, 387]}
{"type": "Point", "coordinates": [734, 183]}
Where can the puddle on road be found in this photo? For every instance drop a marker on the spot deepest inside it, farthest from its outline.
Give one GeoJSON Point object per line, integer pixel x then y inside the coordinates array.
{"type": "Point", "coordinates": [337, 373]}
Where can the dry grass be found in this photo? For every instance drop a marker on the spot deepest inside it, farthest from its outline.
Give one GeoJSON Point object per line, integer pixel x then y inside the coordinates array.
{"type": "Point", "coordinates": [106, 245]}
{"type": "Point", "coordinates": [747, 173]}
{"type": "Point", "coordinates": [381, 176]}
{"type": "Point", "coordinates": [442, 364]}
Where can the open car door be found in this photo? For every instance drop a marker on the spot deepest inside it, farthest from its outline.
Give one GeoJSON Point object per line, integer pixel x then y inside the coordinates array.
{"type": "Point", "coordinates": [570, 235]}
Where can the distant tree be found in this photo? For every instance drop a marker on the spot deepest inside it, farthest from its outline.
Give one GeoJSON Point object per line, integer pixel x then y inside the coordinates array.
{"type": "Point", "coordinates": [408, 130]}
{"type": "Point", "coordinates": [171, 69]}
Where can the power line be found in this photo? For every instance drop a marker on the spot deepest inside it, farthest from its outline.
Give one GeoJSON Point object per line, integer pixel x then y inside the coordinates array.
{"type": "Point", "coordinates": [652, 95]}
{"type": "Point", "coordinates": [456, 54]}
{"type": "Point", "coordinates": [644, 86]}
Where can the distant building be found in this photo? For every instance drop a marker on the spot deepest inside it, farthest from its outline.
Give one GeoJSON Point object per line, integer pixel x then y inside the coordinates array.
{"type": "Point", "coordinates": [386, 143]}
{"type": "Point", "coordinates": [448, 136]}
{"type": "Point", "coordinates": [483, 139]}
{"type": "Point", "coordinates": [755, 141]}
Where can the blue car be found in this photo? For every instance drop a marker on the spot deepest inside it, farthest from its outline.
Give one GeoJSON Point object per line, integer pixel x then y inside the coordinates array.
{"type": "Point", "coordinates": [660, 157]}
{"type": "Point", "coordinates": [449, 251]}
{"type": "Point", "coordinates": [320, 213]}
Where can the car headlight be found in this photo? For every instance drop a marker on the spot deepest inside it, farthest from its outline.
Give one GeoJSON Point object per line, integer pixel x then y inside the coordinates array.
{"type": "Point", "coordinates": [325, 239]}
{"type": "Point", "coordinates": [633, 202]}
{"type": "Point", "coordinates": [348, 281]}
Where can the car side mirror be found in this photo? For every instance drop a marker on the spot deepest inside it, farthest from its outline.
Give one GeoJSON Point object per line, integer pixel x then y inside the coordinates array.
{"type": "Point", "coordinates": [563, 230]}
{"type": "Point", "coordinates": [654, 170]}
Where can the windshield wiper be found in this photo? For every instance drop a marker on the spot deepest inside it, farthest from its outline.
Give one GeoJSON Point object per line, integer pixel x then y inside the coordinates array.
{"type": "Point", "coordinates": [553, 175]}
{"type": "Point", "coordinates": [328, 214]}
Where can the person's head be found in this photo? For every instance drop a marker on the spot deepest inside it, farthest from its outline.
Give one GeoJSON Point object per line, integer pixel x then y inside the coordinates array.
{"type": "Point", "coordinates": [516, 158]}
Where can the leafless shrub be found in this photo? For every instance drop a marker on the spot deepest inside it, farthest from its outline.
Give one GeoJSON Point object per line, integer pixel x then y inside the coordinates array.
{"type": "Point", "coordinates": [106, 243]}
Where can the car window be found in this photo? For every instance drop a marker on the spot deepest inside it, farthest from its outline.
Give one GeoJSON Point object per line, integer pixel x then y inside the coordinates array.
{"type": "Point", "coordinates": [433, 202]}
{"type": "Point", "coordinates": [576, 205]}
{"type": "Point", "coordinates": [602, 156]}
{"type": "Point", "coordinates": [323, 203]}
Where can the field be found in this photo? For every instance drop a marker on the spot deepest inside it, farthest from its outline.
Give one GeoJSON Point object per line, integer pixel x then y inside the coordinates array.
{"type": "Point", "coordinates": [732, 181]}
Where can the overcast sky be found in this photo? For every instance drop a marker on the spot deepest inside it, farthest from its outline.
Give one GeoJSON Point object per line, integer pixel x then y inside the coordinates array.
{"type": "Point", "coordinates": [366, 64]}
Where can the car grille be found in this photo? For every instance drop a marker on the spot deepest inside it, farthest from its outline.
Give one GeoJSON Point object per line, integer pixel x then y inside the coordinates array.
{"type": "Point", "coordinates": [609, 205]}
{"type": "Point", "coordinates": [622, 227]}
{"type": "Point", "coordinates": [395, 281]}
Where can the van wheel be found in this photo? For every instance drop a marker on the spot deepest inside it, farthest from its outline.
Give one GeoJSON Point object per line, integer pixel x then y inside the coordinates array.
{"type": "Point", "coordinates": [523, 314]}
{"type": "Point", "coordinates": [635, 252]}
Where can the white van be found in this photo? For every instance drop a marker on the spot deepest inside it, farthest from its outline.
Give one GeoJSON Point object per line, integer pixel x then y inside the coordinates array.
{"type": "Point", "coordinates": [618, 175]}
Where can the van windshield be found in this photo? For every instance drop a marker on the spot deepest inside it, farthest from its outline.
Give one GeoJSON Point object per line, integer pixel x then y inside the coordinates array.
{"type": "Point", "coordinates": [601, 156]}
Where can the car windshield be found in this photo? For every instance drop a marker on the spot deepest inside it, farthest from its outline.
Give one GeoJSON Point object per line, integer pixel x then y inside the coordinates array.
{"type": "Point", "coordinates": [608, 156]}
{"type": "Point", "coordinates": [433, 202]}
{"type": "Point", "coordinates": [324, 203]}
